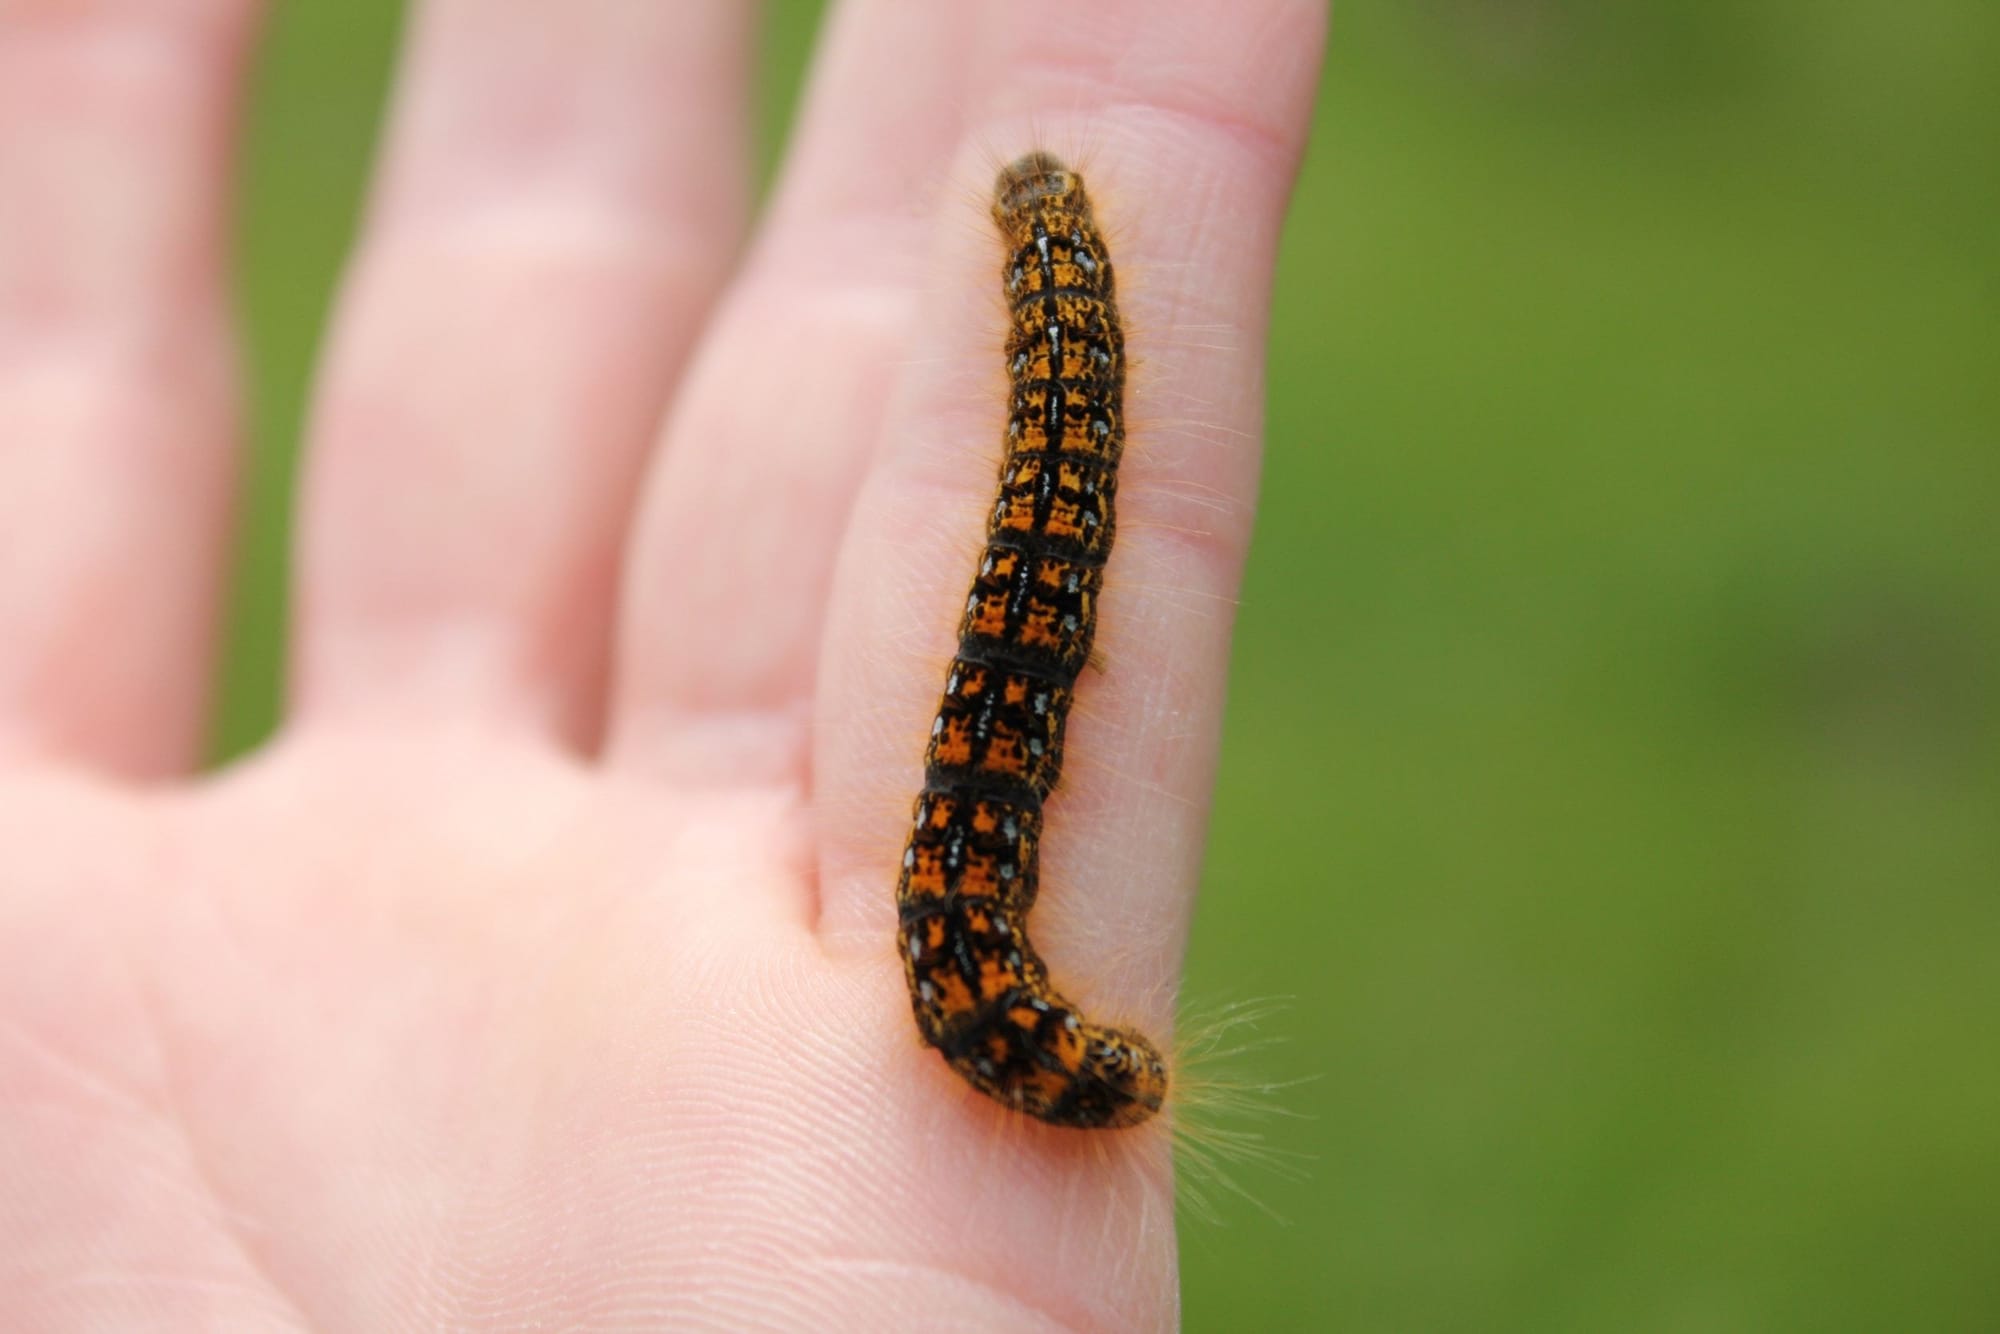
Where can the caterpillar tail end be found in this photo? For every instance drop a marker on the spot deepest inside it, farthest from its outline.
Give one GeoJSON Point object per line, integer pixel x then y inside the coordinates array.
{"type": "Point", "coordinates": [1119, 1081]}
{"type": "Point", "coordinates": [1035, 1054]}
{"type": "Point", "coordinates": [1123, 1081]}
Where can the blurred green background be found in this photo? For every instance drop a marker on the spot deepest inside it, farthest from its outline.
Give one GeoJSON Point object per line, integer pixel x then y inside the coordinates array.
{"type": "Point", "coordinates": [1614, 747]}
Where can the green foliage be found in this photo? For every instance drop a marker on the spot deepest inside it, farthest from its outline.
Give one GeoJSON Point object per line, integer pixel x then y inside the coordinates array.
{"type": "Point", "coordinates": [1614, 751]}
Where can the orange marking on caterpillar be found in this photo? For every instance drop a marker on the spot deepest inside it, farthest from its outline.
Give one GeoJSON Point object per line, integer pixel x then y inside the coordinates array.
{"type": "Point", "coordinates": [980, 992]}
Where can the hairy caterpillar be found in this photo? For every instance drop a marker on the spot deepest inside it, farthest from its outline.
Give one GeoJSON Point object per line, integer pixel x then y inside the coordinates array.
{"type": "Point", "coordinates": [980, 991]}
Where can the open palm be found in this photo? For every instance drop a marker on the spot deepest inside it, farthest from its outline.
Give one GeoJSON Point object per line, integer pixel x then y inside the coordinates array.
{"type": "Point", "coordinates": [541, 973]}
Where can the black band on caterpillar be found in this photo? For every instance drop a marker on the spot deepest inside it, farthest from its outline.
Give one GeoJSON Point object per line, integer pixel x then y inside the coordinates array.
{"type": "Point", "coordinates": [981, 994]}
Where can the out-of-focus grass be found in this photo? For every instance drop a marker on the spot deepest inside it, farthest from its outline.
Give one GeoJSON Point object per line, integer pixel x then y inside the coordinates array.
{"type": "Point", "coordinates": [1614, 751]}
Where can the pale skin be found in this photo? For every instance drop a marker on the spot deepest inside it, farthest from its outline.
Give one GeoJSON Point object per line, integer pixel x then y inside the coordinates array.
{"type": "Point", "coordinates": [541, 969]}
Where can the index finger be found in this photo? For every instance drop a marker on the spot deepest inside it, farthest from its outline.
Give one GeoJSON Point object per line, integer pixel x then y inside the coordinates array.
{"type": "Point", "coordinates": [1192, 120]}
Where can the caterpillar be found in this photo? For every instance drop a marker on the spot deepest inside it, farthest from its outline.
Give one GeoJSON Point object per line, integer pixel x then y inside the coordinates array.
{"type": "Point", "coordinates": [981, 994]}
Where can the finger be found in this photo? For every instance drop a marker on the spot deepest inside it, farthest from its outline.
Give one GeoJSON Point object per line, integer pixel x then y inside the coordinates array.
{"type": "Point", "coordinates": [731, 558]}
{"type": "Point", "coordinates": [117, 387]}
{"type": "Point", "coordinates": [1194, 121]}
{"type": "Point", "coordinates": [562, 189]}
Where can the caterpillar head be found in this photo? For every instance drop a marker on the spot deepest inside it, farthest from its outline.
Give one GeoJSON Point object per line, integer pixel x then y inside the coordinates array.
{"type": "Point", "coordinates": [1037, 184]}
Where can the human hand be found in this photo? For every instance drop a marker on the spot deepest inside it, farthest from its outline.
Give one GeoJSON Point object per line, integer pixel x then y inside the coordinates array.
{"type": "Point", "coordinates": [541, 971]}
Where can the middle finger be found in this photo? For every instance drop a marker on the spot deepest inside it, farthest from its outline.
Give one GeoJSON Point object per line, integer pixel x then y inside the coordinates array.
{"type": "Point", "coordinates": [562, 190]}
{"type": "Point", "coordinates": [732, 556]}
